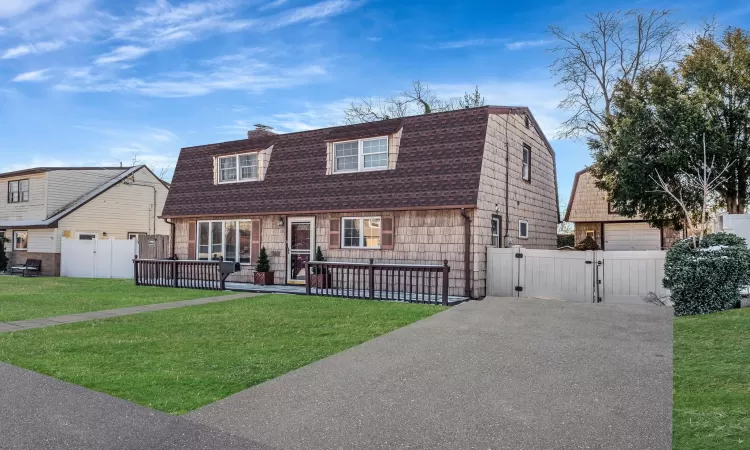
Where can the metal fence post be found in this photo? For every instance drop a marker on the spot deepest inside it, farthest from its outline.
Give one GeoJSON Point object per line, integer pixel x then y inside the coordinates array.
{"type": "Point", "coordinates": [372, 279]}
{"type": "Point", "coordinates": [446, 271]}
{"type": "Point", "coordinates": [307, 277]}
{"type": "Point", "coordinates": [135, 269]}
{"type": "Point", "coordinates": [175, 274]}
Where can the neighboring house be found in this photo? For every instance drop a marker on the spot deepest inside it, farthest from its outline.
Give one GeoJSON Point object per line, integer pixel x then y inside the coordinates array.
{"type": "Point", "coordinates": [45, 204]}
{"type": "Point", "coordinates": [414, 190]}
{"type": "Point", "coordinates": [593, 216]}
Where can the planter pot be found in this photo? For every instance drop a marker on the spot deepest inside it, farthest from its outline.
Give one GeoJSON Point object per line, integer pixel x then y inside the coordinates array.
{"type": "Point", "coordinates": [263, 278]}
{"type": "Point", "coordinates": [320, 280]}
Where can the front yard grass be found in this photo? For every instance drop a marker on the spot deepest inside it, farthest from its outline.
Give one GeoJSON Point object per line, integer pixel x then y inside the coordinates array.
{"type": "Point", "coordinates": [178, 360]}
{"type": "Point", "coordinates": [33, 298]}
{"type": "Point", "coordinates": [712, 381]}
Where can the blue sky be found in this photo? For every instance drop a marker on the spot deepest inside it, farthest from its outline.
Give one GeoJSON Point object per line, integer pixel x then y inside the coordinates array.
{"type": "Point", "coordinates": [91, 82]}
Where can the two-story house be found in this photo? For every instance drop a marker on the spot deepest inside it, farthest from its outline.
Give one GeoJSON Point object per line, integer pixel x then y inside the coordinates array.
{"type": "Point", "coordinates": [413, 190]}
{"type": "Point", "coordinates": [46, 204]}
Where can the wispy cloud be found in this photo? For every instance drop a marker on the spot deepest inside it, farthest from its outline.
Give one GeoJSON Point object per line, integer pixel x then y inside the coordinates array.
{"type": "Point", "coordinates": [34, 76]}
{"type": "Point", "coordinates": [518, 45]}
{"type": "Point", "coordinates": [124, 53]}
{"type": "Point", "coordinates": [273, 5]}
{"type": "Point", "coordinates": [12, 8]}
{"type": "Point", "coordinates": [247, 77]}
{"type": "Point", "coordinates": [464, 43]}
{"type": "Point", "coordinates": [313, 12]}
{"type": "Point", "coordinates": [29, 49]}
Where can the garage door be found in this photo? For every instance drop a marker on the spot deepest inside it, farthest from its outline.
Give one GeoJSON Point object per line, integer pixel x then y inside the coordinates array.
{"type": "Point", "coordinates": [631, 236]}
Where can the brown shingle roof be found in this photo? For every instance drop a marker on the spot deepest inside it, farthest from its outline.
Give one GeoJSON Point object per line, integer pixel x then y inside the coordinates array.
{"type": "Point", "coordinates": [439, 163]}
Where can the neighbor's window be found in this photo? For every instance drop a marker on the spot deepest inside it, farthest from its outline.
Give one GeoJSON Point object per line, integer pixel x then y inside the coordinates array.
{"type": "Point", "coordinates": [361, 155]}
{"type": "Point", "coordinates": [236, 168]}
{"type": "Point", "coordinates": [135, 235]}
{"type": "Point", "coordinates": [86, 236]}
{"type": "Point", "coordinates": [220, 239]}
{"type": "Point", "coordinates": [523, 229]}
{"type": "Point", "coordinates": [496, 232]}
{"type": "Point", "coordinates": [361, 232]}
{"type": "Point", "coordinates": [526, 167]}
{"type": "Point", "coordinates": [18, 191]}
{"type": "Point", "coordinates": [20, 240]}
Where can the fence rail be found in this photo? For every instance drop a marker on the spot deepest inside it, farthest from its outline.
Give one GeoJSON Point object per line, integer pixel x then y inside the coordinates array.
{"type": "Point", "coordinates": [408, 283]}
{"type": "Point", "coordinates": [177, 273]}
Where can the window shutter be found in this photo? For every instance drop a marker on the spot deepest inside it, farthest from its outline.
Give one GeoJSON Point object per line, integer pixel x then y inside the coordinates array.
{"type": "Point", "coordinates": [334, 233]}
{"type": "Point", "coordinates": [192, 230]}
{"type": "Point", "coordinates": [255, 241]}
{"type": "Point", "coordinates": [386, 233]}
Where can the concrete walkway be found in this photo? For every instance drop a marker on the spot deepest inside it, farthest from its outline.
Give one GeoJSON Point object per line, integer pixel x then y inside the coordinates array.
{"type": "Point", "coordinates": [39, 412]}
{"type": "Point", "coordinates": [499, 374]}
{"type": "Point", "coordinates": [19, 325]}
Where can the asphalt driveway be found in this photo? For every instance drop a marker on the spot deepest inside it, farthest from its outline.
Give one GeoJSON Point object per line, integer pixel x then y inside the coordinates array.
{"type": "Point", "coordinates": [497, 373]}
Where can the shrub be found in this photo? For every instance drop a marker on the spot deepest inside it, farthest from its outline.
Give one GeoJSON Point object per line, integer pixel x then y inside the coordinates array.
{"type": "Point", "coordinates": [318, 257]}
{"type": "Point", "coordinates": [587, 244]}
{"type": "Point", "coordinates": [708, 278]}
{"type": "Point", "coordinates": [263, 264]}
{"type": "Point", "coordinates": [565, 240]}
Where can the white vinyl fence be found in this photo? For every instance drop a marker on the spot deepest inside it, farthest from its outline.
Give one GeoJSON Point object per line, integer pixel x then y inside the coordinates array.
{"type": "Point", "coordinates": [98, 258]}
{"type": "Point", "coordinates": [590, 276]}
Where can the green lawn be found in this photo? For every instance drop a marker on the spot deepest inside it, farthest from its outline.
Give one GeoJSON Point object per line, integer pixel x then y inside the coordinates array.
{"type": "Point", "coordinates": [712, 381]}
{"type": "Point", "coordinates": [33, 298]}
{"type": "Point", "coordinates": [178, 360]}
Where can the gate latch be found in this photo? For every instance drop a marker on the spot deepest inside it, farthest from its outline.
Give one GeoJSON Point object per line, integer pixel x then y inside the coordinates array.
{"type": "Point", "coordinates": [519, 288]}
{"type": "Point", "coordinates": [519, 255]}
{"type": "Point", "coordinates": [589, 262]}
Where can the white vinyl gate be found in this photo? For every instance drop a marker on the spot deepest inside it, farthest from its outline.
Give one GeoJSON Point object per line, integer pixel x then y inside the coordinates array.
{"type": "Point", "coordinates": [98, 258]}
{"type": "Point", "coordinates": [590, 276]}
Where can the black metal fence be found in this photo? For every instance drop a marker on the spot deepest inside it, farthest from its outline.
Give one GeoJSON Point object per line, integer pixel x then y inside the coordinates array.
{"type": "Point", "coordinates": [396, 282]}
{"type": "Point", "coordinates": [183, 274]}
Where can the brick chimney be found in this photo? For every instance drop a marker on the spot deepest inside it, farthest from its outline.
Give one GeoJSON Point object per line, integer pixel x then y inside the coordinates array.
{"type": "Point", "coordinates": [260, 130]}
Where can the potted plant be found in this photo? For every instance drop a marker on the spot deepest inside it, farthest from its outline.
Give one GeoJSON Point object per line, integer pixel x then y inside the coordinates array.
{"type": "Point", "coordinates": [320, 278]}
{"type": "Point", "coordinates": [263, 274]}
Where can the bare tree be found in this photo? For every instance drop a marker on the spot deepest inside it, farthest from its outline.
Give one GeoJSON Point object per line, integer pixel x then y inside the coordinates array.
{"type": "Point", "coordinates": [704, 181]}
{"type": "Point", "coordinates": [420, 99]}
{"type": "Point", "coordinates": [617, 46]}
{"type": "Point", "coordinates": [161, 173]}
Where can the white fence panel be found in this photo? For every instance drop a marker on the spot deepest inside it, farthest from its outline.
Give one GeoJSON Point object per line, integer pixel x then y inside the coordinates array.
{"type": "Point", "coordinates": [502, 272]}
{"type": "Point", "coordinates": [557, 274]}
{"type": "Point", "coordinates": [97, 258]}
{"type": "Point", "coordinates": [608, 276]}
{"type": "Point", "coordinates": [631, 276]}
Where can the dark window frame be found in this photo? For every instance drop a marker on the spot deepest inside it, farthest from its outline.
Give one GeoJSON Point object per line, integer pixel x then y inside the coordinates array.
{"type": "Point", "coordinates": [20, 193]}
{"type": "Point", "coordinates": [527, 122]}
{"type": "Point", "coordinates": [526, 149]}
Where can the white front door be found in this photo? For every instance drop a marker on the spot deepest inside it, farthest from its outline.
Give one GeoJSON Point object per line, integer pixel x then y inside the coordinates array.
{"type": "Point", "coordinates": [631, 236]}
{"type": "Point", "coordinates": [300, 238]}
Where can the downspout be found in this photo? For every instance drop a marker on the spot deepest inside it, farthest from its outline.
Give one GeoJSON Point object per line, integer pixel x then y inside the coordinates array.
{"type": "Point", "coordinates": [152, 187]}
{"type": "Point", "coordinates": [467, 253]}
{"type": "Point", "coordinates": [172, 237]}
{"type": "Point", "coordinates": [507, 182]}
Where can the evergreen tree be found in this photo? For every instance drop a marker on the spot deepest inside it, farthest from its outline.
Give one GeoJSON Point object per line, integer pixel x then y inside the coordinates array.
{"type": "Point", "coordinates": [263, 264]}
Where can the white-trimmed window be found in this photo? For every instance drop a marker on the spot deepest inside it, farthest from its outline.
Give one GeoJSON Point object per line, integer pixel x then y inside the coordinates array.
{"type": "Point", "coordinates": [360, 232]}
{"type": "Point", "coordinates": [230, 239]}
{"type": "Point", "coordinates": [20, 240]}
{"type": "Point", "coordinates": [495, 232]}
{"type": "Point", "coordinates": [237, 168]}
{"type": "Point", "coordinates": [135, 235]}
{"type": "Point", "coordinates": [526, 167]}
{"type": "Point", "coordinates": [360, 155]}
{"type": "Point", "coordinates": [18, 191]}
{"type": "Point", "coordinates": [86, 236]}
{"type": "Point", "coordinates": [523, 229]}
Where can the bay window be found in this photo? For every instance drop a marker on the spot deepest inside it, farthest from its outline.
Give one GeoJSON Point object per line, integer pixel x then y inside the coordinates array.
{"type": "Point", "coordinates": [230, 239]}
{"type": "Point", "coordinates": [361, 155]}
{"type": "Point", "coordinates": [361, 232]}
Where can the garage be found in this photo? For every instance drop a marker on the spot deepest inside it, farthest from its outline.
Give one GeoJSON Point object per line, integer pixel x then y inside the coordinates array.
{"type": "Point", "coordinates": [631, 236]}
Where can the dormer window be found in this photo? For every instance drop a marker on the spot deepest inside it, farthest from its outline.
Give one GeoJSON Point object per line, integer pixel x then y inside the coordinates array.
{"type": "Point", "coordinates": [238, 168]}
{"type": "Point", "coordinates": [361, 155]}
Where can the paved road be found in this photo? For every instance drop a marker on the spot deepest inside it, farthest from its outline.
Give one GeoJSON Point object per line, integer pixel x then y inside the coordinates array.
{"type": "Point", "coordinates": [495, 374]}
{"type": "Point", "coordinates": [38, 412]}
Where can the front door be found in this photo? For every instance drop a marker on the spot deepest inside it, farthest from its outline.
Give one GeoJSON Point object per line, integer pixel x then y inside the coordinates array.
{"type": "Point", "coordinates": [300, 242]}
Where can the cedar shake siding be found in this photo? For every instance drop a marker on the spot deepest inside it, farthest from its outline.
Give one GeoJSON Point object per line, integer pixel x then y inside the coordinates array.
{"type": "Point", "coordinates": [441, 168]}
